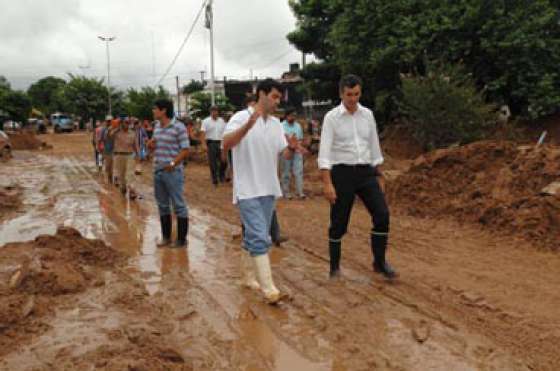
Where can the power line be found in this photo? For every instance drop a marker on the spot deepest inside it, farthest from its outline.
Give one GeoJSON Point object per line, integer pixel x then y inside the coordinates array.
{"type": "Point", "coordinates": [184, 42]}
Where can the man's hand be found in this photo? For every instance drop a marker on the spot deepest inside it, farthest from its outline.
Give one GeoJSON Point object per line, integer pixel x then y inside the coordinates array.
{"type": "Point", "coordinates": [329, 192]}
{"type": "Point", "coordinates": [293, 142]}
{"type": "Point", "coordinates": [169, 168]}
{"type": "Point", "coordinates": [381, 182]}
{"type": "Point", "coordinates": [151, 144]}
{"type": "Point", "coordinates": [253, 118]}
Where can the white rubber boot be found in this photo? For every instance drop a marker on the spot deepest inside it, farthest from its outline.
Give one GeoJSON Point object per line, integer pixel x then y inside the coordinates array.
{"type": "Point", "coordinates": [264, 274]}
{"type": "Point", "coordinates": [249, 278]}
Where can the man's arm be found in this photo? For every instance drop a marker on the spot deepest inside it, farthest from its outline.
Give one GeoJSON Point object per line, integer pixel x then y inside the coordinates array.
{"type": "Point", "coordinates": [232, 139]}
{"type": "Point", "coordinates": [324, 161]}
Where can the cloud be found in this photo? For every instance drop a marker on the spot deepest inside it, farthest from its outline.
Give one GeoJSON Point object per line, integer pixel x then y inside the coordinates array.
{"type": "Point", "coordinates": [45, 37]}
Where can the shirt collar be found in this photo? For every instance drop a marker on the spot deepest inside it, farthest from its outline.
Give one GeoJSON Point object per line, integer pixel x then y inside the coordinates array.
{"type": "Point", "coordinates": [342, 109]}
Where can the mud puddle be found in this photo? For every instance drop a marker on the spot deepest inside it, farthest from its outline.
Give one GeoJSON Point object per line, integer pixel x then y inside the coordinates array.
{"type": "Point", "coordinates": [189, 302]}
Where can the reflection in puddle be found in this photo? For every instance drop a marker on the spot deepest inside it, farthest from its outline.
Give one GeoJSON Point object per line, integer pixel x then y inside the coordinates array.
{"type": "Point", "coordinates": [75, 198]}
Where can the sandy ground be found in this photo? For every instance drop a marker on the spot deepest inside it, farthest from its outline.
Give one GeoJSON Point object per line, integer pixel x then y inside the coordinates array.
{"type": "Point", "coordinates": [467, 299]}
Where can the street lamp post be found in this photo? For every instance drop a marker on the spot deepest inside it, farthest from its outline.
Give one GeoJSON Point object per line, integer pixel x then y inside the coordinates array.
{"type": "Point", "coordinates": [107, 39]}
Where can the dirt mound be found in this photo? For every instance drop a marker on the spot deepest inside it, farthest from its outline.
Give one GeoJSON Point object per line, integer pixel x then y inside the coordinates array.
{"type": "Point", "coordinates": [398, 143]}
{"type": "Point", "coordinates": [26, 141]}
{"type": "Point", "coordinates": [497, 184]}
{"type": "Point", "coordinates": [34, 274]}
{"type": "Point", "coordinates": [10, 198]}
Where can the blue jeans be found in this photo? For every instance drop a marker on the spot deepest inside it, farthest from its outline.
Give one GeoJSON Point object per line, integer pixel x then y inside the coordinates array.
{"type": "Point", "coordinates": [256, 216]}
{"type": "Point", "coordinates": [168, 187]}
{"type": "Point", "coordinates": [295, 166]}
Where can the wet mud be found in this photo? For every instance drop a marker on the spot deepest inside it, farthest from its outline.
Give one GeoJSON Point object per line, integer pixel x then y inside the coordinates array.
{"type": "Point", "coordinates": [134, 306]}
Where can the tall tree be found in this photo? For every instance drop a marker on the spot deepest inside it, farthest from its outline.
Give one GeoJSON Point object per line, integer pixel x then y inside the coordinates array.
{"type": "Point", "coordinates": [202, 101]}
{"type": "Point", "coordinates": [43, 94]}
{"type": "Point", "coordinates": [139, 102]}
{"type": "Point", "coordinates": [86, 97]}
{"type": "Point", "coordinates": [16, 104]}
{"type": "Point", "coordinates": [512, 48]}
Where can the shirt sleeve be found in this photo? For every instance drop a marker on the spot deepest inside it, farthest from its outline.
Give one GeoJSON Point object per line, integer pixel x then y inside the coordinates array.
{"type": "Point", "coordinates": [182, 137]}
{"type": "Point", "coordinates": [325, 145]}
{"type": "Point", "coordinates": [376, 155]}
{"type": "Point", "coordinates": [204, 125]}
{"type": "Point", "coordinates": [300, 132]}
{"type": "Point", "coordinates": [282, 141]}
{"type": "Point", "coordinates": [235, 123]}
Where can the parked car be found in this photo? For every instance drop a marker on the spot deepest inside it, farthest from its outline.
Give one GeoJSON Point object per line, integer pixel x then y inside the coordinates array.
{"type": "Point", "coordinates": [61, 122]}
{"type": "Point", "coordinates": [11, 126]}
{"type": "Point", "coordinates": [37, 125]}
{"type": "Point", "coordinates": [5, 146]}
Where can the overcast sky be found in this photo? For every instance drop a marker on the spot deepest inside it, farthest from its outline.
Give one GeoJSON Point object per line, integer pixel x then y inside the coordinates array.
{"type": "Point", "coordinates": [55, 37]}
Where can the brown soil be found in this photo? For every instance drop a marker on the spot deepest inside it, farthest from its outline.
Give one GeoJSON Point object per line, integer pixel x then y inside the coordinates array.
{"type": "Point", "coordinates": [26, 140]}
{"type": "Point", "coordinates": [10, 199]}
{"type": "Point", "coordinates": [496, 184]}
{"type": "Point", "coordinates": [184, 308]}
{"type": "Point", "coordinates": [398, 143]}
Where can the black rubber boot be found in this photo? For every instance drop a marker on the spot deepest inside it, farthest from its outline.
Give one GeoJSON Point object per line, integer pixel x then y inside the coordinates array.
{"type": "Point", "coordinates": [165, 222]}
{"type": "Point", "coordinates": [334, 254]}
{"type": "Point", "coordinates": [182, 230]}
{"type": "Point", "coordinates": [379, 248]}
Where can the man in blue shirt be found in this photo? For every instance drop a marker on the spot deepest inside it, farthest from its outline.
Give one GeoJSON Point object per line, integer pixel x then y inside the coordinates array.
{"type": "Point", "coordinates": [170, 145]}
{"type": "Point", "coordinates": [292, 129]}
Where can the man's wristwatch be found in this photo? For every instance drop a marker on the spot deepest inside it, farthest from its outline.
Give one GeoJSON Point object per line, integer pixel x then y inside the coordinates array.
{"type": "Point", "coordinates": [172, 163]}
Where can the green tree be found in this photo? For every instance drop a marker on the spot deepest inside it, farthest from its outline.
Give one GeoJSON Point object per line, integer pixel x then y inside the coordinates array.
{"type": "Point", "coordinates": [139, 103]}
{"type": "Point", "coordinates": [17, 104]}
{"type": "Point", "coordinates": [445, 107]}
{"type": "Point", "coordinates": [86, 97]}
{"type": "Point", "coordinates": [192, 87]}
{"type": "Point", "coordinates": [202, 101]}
{"type": "Point", "coordinates": [43, 94]}
{"type": "Point", "coordinates": [513, 56]}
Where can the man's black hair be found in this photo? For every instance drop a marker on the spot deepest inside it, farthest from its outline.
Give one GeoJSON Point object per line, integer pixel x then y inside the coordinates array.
{"type": "Point", "coordinates": [250, 99]}
{"type": "Point", "coordinates": [349, 81]}
{"type": "Point", "coordinates": [267, 85]}
{"type": "Point", "coordinates": [290, 110]}
{"type": "Point", "coordinates": [214, 108]}
{"type": "Point", "coordinates": [166, 104]}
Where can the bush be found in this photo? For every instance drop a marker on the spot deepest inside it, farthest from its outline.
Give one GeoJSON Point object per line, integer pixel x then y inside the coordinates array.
{"type": "Point", "coordinates": [444, 107]}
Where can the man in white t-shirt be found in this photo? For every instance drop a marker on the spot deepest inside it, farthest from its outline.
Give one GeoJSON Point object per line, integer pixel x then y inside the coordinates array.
{"type": "Point", "coordinates": [256, 138]}
{"type": "Point", "coordinates": [213, 131]}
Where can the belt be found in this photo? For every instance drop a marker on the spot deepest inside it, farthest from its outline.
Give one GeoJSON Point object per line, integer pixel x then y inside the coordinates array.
{"type": "Point", "coordinates": [122, 153]}
{"type": "Point", "coordinates": [355, 166]}
{"type": "Point", "coordinates": [213, 141]}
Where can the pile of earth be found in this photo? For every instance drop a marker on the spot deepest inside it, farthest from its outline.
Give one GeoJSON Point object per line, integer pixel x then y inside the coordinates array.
{"type": "Point", "coordinates": [398, 143]}
{"type": "Point", "coordinates": [36, 275]}
{"type": "Point", "coordinates": [27, 140]}
{"type": "Point", "coordinates": [502, 186]}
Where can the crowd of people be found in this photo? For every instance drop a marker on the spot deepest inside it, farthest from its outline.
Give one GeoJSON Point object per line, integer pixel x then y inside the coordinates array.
{"type": "Point", "coordinates": [262, 155]}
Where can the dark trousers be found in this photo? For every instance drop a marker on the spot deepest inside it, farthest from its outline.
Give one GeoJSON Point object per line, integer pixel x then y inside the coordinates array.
{"type": "Point", "coordinates": [359, 180]}
{"type": "Point", "coordinates": [217, 170]}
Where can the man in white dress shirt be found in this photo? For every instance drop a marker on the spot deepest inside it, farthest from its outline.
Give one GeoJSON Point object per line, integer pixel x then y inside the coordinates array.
{"type": "Point", "coordinates": [349, 159]}
{"type": "Point", "coordinates": [256, 138]}
{"type": "Point", "coordinates": [213, 131]}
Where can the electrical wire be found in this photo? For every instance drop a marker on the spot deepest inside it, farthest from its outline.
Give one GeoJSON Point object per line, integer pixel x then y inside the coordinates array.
{"type": "Point", "coordinates": [183, 44]}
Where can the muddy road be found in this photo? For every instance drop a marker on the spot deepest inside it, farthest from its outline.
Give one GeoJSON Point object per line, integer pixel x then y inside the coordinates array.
{"type": "Point", "coordinates": [466, 299]}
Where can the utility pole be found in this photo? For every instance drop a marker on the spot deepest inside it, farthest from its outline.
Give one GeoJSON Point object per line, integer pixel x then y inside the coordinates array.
{"type": "Point", "coordinates": [210, 26]}
{"type": "Point", "coordinates": [178, 97]}
{"type": "Point", "coordinates": [153, 58]}
{"type": "Point", "coordinates": [108, 39]}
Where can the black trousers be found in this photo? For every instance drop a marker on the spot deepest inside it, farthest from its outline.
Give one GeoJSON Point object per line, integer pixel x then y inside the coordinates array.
{"type": "Point", "coordinates": [217, 170]}
{"type": "Point", "coordinates": [348, 182]}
